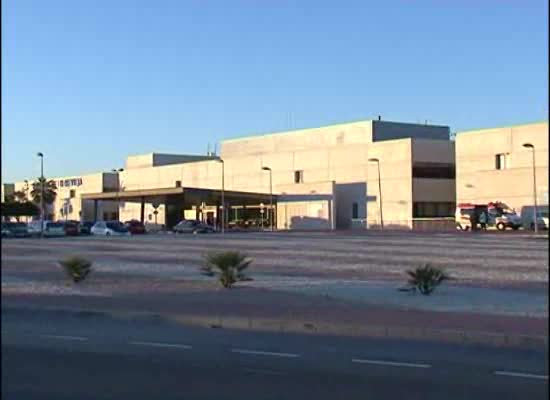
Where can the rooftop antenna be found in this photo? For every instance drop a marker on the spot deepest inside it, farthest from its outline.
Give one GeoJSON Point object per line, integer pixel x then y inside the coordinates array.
{"type": "Point", "coordinates": [215, 148]}
{"type": "Point", "coordinates": [379, 118]}
{"type": "Point", "coordinates": [208, 150]}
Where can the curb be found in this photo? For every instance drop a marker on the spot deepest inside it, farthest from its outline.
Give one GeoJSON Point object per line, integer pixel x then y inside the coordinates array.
{"type": "Point", "coordinates": [309, 327]}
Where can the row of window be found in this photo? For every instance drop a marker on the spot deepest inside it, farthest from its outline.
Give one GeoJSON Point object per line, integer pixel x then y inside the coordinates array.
{"type": "Point", "coordinates": [429, 209]}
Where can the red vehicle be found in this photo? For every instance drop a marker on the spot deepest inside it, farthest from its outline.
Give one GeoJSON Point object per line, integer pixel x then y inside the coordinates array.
{"type": "Point", "coordinates": [71, 228]}
{"type": "Point", "coordinates": [135, 227]}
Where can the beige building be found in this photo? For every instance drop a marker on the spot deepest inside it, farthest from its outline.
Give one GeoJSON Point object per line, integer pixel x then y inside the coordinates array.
{"type": "Point", "coordinates": [69, 204]}
{"type": "Point", "coordinates": [493, 165]}
{"type": "Point", "coordinates": [321, 178]}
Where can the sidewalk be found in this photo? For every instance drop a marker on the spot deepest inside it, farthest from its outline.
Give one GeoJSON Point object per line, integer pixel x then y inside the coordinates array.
{"type": "Point", "coordinates": [265, 310]}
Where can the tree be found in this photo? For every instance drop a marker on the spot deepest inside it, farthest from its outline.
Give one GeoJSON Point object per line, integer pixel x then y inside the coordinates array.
{"type": "Point", "coordinates": [50, 191]}
{"type": "Point", "coordinates": [19, 196]}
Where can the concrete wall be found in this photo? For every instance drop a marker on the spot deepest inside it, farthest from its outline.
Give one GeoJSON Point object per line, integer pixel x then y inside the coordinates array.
{"type": "Point", "coordinates": [478, 180]}
{"type": "Point", "coordinates": [308, 206]}
{"type": "Point", "coordinates": [396, 183]}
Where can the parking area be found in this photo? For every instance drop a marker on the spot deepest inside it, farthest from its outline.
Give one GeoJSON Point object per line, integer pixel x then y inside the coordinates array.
{"type": "Point", "coordinates": [475, 258]}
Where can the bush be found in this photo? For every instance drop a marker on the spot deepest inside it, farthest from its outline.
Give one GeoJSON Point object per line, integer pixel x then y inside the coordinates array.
{"type": "Point", "coordinates": [426, 278]}
{"type": "Point", "coordinates": [229, 265]}
{"type": "Point", "coordinates": [77, 268]}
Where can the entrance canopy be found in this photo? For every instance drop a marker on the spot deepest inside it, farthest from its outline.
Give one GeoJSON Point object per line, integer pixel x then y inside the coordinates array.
{"type": "Point", "coordinates": [180, 198]}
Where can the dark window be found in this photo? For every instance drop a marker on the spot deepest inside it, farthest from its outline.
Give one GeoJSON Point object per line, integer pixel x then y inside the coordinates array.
{"type": "Point", "coordinates": [72, 193]}
{"type": "Point", "coordinates": [433, 170]}
{"type": "Point", "coordinates": [355, 211]}
{"type": "Point", "coordinates": [427, 209]}
{"type": "Point", "coordinates": [178, 183]}
{"type": "Point", "coordinates": [298, 176]}
{"type": "Point", "coordinates": [500, 161]}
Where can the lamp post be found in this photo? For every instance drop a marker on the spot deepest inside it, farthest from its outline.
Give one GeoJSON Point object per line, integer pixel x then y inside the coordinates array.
{"type": "Point", "coordinates": [223, 194]}
{"type": "Point", "coordinates": [116, 171]}
{"type": "Point", "coordinates": [26, 190]}
{"type": "Point", "coordinates": [535, 222]}
{"type": "Point", "coordinates": [270, 197]}
{"type": "Point", "coordinates": [41, 193]}
{"type": "Point", "coordinates": [377, 161]}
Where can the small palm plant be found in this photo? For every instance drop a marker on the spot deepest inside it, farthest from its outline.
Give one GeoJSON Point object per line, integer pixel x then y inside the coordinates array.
{"type": "Point", "coordinates": [230, 266]}
{"type": "Point", "coordinates": [426, 278]}
{"type": "Point", "coordinates": [77, 268]}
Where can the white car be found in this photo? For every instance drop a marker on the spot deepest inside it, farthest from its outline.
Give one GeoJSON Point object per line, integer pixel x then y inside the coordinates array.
{"type": "Point", "coordinates": [51, 229]}
{"type": "Point", "coordinates": [109, 228]}
{"type": "Point", "coordinates": [542, 220]}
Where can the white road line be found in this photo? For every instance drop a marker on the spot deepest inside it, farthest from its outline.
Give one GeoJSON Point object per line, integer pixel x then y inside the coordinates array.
{"type": "Point", "coordinates": [264, 371]}
{"type": "Point", "coordinates": [63, 337]}
{"type": "Point", "coordinates": [390, 363]}
{"type": "Point", "coordinates": [264, 353]}
{"type": "Point", "coordinates": [169, 345]}
{"type": "Point", "coordinates": [521, 375]}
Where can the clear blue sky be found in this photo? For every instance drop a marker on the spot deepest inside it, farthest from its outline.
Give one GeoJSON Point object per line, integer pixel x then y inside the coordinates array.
{"type": "Point", "coordinates": [89, 82]}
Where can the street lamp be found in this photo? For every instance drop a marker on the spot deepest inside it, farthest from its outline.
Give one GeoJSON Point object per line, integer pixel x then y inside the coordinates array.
{"type": "Point", "coordinates": [116, 171]}
{"type": "Point", "coordinates": [41, 193]}
{"type": "Point", "coordinates": [535, 222]}
{"type": "Point", "coordinates": [377, 161]}
{"type": "Point", "coordinates": [270, 197]}
{"type": "Point", "coordinates": [223, 194]}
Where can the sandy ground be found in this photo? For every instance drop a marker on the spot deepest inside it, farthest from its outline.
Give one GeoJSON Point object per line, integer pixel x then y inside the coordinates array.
{"type": "Point", "coordinates": [502, 274]}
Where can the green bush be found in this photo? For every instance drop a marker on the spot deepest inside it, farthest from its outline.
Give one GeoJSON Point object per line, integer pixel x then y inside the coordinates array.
{"type": "Point", "coordinates": [228, 266]}
{"type": "Point", "coordinates": [426, 278]}
{"type": "Point", "coordinates": [77, 268]}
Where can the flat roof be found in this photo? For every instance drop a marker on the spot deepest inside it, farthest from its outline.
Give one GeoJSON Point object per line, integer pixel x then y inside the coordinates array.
{"type": "Point", "coordinates": [480, 130]}
{"type": "Point", "coordinates": [137, 194]}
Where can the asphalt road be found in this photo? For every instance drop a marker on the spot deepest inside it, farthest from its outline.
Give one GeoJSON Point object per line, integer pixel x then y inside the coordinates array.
{"type": "Point", "coordinates": [48, 355]}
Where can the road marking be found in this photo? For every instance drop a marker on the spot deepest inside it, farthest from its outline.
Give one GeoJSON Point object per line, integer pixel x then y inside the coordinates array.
{"type": "Point", "coordinates": [264, 353]}
{"type": "Point", "coordinates": [390, 363]}
{"type": "Point", "coordinates": [264, 371]}
{"type": "Point", "coordinates": [169, 345]}
{"type": "Point", "coordinates": [63, 337]}
{"type": "Point", "coordinates": [521, 375]}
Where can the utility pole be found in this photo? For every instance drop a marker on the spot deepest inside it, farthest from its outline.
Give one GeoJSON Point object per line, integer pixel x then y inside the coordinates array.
{"type": "Point", "coordinates": [41, 194]}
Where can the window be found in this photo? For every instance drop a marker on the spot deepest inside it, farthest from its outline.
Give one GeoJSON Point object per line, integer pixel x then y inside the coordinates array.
{"type": "Point", "coordinates": [428, 209]}
{"type": "Point", "coordinates": [298, 176]}
{"type": "Point", "coordinates": [72, 193]}
{"type": "Point", "coordinates": [178, 183]}
{"type": "Point", "coordinates": [355, 211]}
{"type": "Point", "coordinates": [433, 170]}
{"type": "Point", "coordinates": [501, 161]}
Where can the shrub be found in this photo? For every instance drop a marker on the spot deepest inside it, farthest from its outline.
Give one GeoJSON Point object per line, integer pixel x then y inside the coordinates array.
{"type": "Point", "coordinates": [426, 278]}
{"type": "Point", "coordinates": [229, 265]}
{"type": "Point", "coordinates": [77, 268]}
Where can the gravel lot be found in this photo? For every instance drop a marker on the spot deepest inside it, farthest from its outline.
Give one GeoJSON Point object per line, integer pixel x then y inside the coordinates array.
{"type": "Point", "coordinates": [496, 273]}
{"type": "Point", "coordinates": [472, 258]}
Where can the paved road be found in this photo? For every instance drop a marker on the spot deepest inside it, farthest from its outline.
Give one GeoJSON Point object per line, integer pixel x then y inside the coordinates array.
{"type": "Point", "coordinates": [58, 356]}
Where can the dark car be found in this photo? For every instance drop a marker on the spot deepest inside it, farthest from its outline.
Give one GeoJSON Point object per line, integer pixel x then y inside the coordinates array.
{"type": "Point", "coordinates": [71, 228]}
{"type": "Point", "coordinates": [85, 228]}
{"type": "Point", "coordinates": [15, 229]}
{"type": "Point", "coordinates": [192, 226]}
{"type": "Point", "coordinates": [135, 227]}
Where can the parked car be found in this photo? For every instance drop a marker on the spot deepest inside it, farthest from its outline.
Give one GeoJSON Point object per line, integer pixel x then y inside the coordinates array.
{"type": "Point", "coordinates": [110, 228]}
{"type": "Point", "coordinates": [85, 228]}
{"type": "Point", "coordinates": [14, 229]}
{"type": "Point", "coordinates": [192, 226]}
{"type": "Point", "coordinates": [498, 214]}
{"type": "Point", "coordinates": [51, 229]}
{"type": "Point", "coordinates": [135, 227]}
{"type": "Point", "coordinates": [71, 228]}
